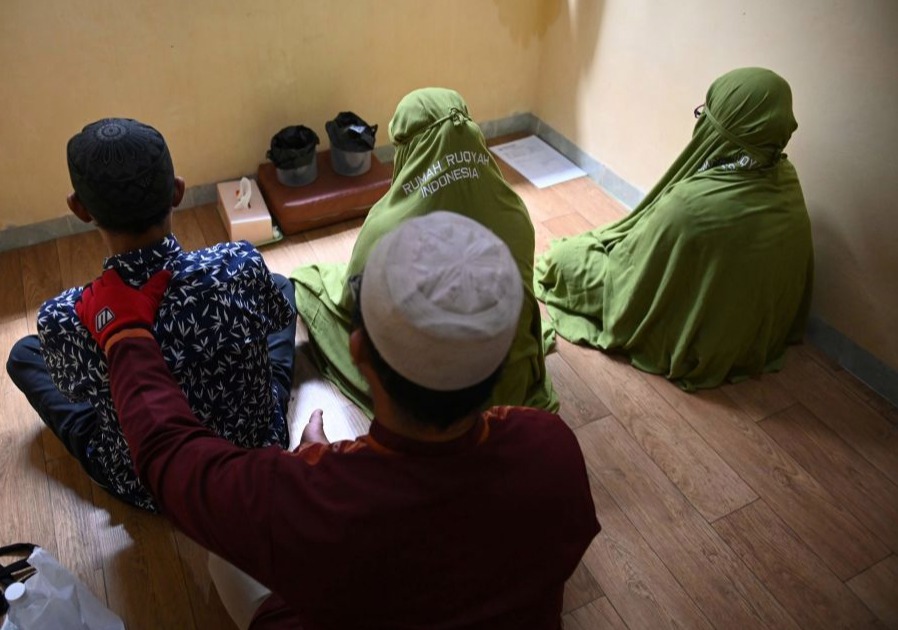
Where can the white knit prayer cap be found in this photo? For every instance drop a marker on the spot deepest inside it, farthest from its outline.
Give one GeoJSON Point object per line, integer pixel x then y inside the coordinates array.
{"type": "Point", "coordinates": [441, 297]}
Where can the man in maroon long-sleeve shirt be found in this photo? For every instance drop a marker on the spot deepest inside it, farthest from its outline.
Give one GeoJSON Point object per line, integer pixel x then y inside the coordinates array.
{"type": "Point", "coordinates": [441, 517]}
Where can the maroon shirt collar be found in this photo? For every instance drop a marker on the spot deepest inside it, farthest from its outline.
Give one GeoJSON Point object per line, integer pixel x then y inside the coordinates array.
{"type": "Point", "coordinates": [401, 444]}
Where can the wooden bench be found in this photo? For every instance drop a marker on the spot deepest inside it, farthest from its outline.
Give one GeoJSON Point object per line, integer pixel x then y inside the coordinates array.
{"type": "Point", "coordinates": [331, 198]}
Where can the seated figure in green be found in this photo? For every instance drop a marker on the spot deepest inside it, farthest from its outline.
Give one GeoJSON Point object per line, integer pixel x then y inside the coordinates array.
{"type": "Point", "coordinates": [709, 278]}
{"type": "Point", "coordinates": [441, 163]}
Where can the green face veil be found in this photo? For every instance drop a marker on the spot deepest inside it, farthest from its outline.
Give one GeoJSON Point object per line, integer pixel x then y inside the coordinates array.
{"type": "Point", "coordinates": [441, 163]}
{"type": "Point", "coordinates": [710, 276]}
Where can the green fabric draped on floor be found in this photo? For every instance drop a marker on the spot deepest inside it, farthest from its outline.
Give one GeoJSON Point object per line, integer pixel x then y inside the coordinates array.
{"type": "Point", "coordinates": [441, 163]}
{"type": "Point", "coordinates": [710, 276]}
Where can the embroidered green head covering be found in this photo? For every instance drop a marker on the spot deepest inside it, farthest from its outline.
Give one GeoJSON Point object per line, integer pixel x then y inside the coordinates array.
{"type": "Point", "coordinates": [441, 163]}
{"type": "Point", "coordinates": [710, 276]}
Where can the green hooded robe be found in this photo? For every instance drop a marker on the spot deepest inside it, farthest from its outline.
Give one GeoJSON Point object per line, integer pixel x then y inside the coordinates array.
{"type": "Point", "coordinates": [441, 163]}
{"type": "Point", "coordinates": [710, 276]}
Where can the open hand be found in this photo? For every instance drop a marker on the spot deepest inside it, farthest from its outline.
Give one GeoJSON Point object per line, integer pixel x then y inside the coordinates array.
{"type": "Point", "coordinates": [108, 305]}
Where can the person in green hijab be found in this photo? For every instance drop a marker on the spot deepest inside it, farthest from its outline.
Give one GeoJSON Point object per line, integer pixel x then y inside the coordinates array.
{"type": "Point", "coordinates": [441, 163]}
{"type": "Point", "coordinates": [709, 278]}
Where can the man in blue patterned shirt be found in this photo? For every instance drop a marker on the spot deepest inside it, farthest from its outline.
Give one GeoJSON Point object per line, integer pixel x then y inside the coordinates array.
{"type": "Point", "coordinates": [226, 325]}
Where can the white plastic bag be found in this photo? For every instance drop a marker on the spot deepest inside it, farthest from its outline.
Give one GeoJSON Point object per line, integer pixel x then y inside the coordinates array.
{"type": "Point", "coordinates": [54, 598]}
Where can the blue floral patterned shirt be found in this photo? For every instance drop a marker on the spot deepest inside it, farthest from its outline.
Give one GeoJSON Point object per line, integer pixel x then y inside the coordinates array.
{"type": "Point", "coordinates": [212, 325]}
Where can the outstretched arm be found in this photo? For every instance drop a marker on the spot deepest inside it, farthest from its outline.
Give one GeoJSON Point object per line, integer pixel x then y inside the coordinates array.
{"type": "Point", "coordinates": [203, 483]}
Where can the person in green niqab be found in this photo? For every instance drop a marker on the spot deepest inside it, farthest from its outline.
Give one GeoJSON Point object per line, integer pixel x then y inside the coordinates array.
{"type": "Point", "coordinates": [441, 163]}
{"type": "Point", "coordinates": [709, 278]}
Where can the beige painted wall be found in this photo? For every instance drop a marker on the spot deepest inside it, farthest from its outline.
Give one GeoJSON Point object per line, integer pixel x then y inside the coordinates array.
{"type": "Point", "coordinates": [631, 72]}
{"type": "Point", "coordinates": [220, 77]}
{"type": "Point", "coordinates": [617, 77]}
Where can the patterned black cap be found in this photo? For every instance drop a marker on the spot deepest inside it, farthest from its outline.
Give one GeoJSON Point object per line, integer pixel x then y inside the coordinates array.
{"type": "Point", "coordinates": [122, 172]}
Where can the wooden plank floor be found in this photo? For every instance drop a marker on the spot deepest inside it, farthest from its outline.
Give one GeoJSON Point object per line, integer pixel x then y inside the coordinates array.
{"type": "Point", "coordinates": [770, 504]}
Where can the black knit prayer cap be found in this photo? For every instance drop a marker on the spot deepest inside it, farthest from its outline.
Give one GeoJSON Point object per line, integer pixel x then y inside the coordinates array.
{"type": "Point", "coordinates": [122, 172]}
